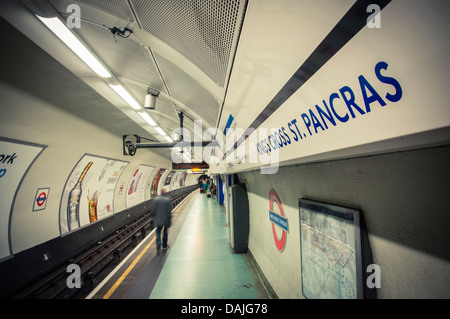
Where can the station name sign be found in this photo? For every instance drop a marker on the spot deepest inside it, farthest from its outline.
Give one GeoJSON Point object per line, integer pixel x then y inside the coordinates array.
{"type": "Point", "coordinates": [326, 114]}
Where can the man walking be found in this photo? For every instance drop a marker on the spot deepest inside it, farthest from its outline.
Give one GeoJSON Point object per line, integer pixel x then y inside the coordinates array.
{"type": "Point", "coordinates": [162, 209]}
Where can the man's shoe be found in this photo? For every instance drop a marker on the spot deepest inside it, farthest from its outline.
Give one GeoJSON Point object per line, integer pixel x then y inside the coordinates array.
{"type": "Point", "coordinates": [165, 248]}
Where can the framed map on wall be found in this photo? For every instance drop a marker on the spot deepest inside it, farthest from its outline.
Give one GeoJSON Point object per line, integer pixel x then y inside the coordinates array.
{"type": "Point", "coordinates": [331, 257]}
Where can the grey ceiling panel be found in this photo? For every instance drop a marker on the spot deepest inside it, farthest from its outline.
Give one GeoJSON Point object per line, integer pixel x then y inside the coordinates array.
{"type": "Point", "coordinates": [189, 92]}
{"type": "Point", "coordinates": [126, 58]}
{"type": "Point", "coordinates": [119, 8]}
{"type": "Point", "coordinates": [201, 30]}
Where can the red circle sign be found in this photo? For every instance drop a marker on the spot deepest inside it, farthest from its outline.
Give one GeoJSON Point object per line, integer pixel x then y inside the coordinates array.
{"type": "Point", "coordinates": [41, 199]}
{"type": "Point", "coordinates": [280, 243]}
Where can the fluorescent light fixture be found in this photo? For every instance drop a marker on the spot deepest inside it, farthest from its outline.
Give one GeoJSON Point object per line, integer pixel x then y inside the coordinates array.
{"type": "Point", "coordinates": [160, 131]}
{"type": "Point", "coordinates": [126, 96]}
{"type": "Point", "coordinates": [66, 36]}
{"type": "Point", "coordinates": [168, 139]}
{"type": "Point", "coordinates": [147, 118]}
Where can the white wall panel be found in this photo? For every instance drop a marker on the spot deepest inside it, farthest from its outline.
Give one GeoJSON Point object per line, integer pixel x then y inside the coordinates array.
{"type": "Point", "coordinates": [68, 138]}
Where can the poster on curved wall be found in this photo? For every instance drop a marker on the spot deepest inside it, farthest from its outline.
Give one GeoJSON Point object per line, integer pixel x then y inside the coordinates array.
{"type": "Point", "coordinates": [16, 157]}
{"type": "Point", "coordinates": [176, 180]}
{"type": "Point", "coordinates": [169, 178]}
{"type": "Point", "coordinates": [155, 183]}
{"type": "Point", "coordinates": [183, 179]}
{"type": "Point", "coordinates": [137, 184]}
{"type": "Point", "coordinates": [88, 195]}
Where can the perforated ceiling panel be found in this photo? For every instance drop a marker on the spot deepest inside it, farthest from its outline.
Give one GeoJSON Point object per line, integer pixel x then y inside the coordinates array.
{"type": "Point", "coordinates": [201, 30]}
{"type": "Point", "coordinates": [118, 8]}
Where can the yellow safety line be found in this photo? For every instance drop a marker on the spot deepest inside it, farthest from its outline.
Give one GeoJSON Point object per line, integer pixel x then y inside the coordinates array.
{"type": "Point", "coordinates": [177, 210]}
{"type": "Point", "coordinates": [125, 274]}
{"type": "Point", "coordinates": [130, 268]}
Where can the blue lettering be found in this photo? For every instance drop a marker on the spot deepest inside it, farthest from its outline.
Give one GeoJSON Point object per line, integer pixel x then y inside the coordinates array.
{"type": "Point", "coordinates": [388, 80]}
{"type": "Point", "coordinates": [258, 148]}
{"type": "Point", "coordinates": [288, 139]}
{"type": "Point", "coordinates": [263, 147]}
{"type": "Point", "coordinates": [327, 115]}
{"type": "Point", "coordinates": [278, 139]}
{"type": "Point", "coordinates": [375, 96]}
{"type": "Point", "coordinates": [271, 138]}
{"type": "Point", "coordinates": [316, 122]}
{"type": "Point", "coordinates": [350, 101]}
{"type": "Point", "coordinates": [294, 121]}
{"type": "Point", "coordinates": [282, 137]}
{"type": "Point", "coordinates": [269, 149]}
{"type": "Point", "coordinates": [295, 134]}
{"type": "Point", "coordinates": [2, 172]}
{"type": "Point", "coordinates": [307, 122]}
{"type": "Point", "coordinates": [342, 119]}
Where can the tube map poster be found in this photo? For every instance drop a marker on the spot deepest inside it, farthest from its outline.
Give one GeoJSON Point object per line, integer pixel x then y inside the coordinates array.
{"type": "Point", "coordinates": [330, 244]}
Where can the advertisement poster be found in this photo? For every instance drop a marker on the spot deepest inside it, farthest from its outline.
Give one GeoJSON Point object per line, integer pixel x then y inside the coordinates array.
{"type": "Point", "coordinates": [89, 192]}
{"type": "Point", "coordinates": [183, 179]}
{"type": "Point", "coordinates": [169, 178]}
{"type": "Point", "coordinates": [176, 180]}
{"type": "Point", "coordinates": [15, 159]}
{"type": "Point", "coordinates": [155, 183]}
{"type": "Point", "coordinates": [137, 184]}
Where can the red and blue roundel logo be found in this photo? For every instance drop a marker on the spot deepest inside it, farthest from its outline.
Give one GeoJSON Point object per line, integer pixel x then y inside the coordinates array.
{"type": "Point", "coordinates": [279, 220]}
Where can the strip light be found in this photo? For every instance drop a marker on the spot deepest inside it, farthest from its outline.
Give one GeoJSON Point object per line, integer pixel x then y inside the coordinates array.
{"type": "Point", "coordinates": [168, 139]}
{"type": "Point", "coordinates": [163, 134]}
{"type": "Point", "coordinates": [64, 34]}
{"type": "Point", "coordinates": [150, 121]}
{"type": "Point", "coordinates": [147, 118]}
{"type": "Point", "coordinates": [126, 96]}
{"type": "Point", "coordinates": [160, 131]}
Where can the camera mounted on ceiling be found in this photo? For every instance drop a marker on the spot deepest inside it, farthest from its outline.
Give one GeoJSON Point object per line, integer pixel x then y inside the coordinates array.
{"type": "Point", "coordinates": [129, 144]}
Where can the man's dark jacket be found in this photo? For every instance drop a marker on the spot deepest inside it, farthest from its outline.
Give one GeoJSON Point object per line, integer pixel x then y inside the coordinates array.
{"type": "Point", "coordinates": [162, 211]}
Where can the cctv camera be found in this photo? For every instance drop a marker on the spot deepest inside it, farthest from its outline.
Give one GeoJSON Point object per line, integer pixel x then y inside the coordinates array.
{"type": "Point", "coordinates": [129, 144]}
{"type": "Point", "coordinates": [131, 149]}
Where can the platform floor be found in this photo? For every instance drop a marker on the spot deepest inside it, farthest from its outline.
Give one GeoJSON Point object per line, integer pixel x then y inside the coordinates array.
{"type": "Point", "coordinates": [200, 263]}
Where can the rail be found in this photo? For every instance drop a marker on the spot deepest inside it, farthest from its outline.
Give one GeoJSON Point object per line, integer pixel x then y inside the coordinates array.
{"type": "Point", "coordinates": [97, 261]}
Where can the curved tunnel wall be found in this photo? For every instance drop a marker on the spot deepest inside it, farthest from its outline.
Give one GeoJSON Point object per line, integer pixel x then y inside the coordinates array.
{"type": "Point", "coordinates": [67, 138]}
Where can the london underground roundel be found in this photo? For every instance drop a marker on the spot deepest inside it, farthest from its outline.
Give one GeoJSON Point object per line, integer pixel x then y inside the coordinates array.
{"type": "Point", "coordinates": [278, 220]}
